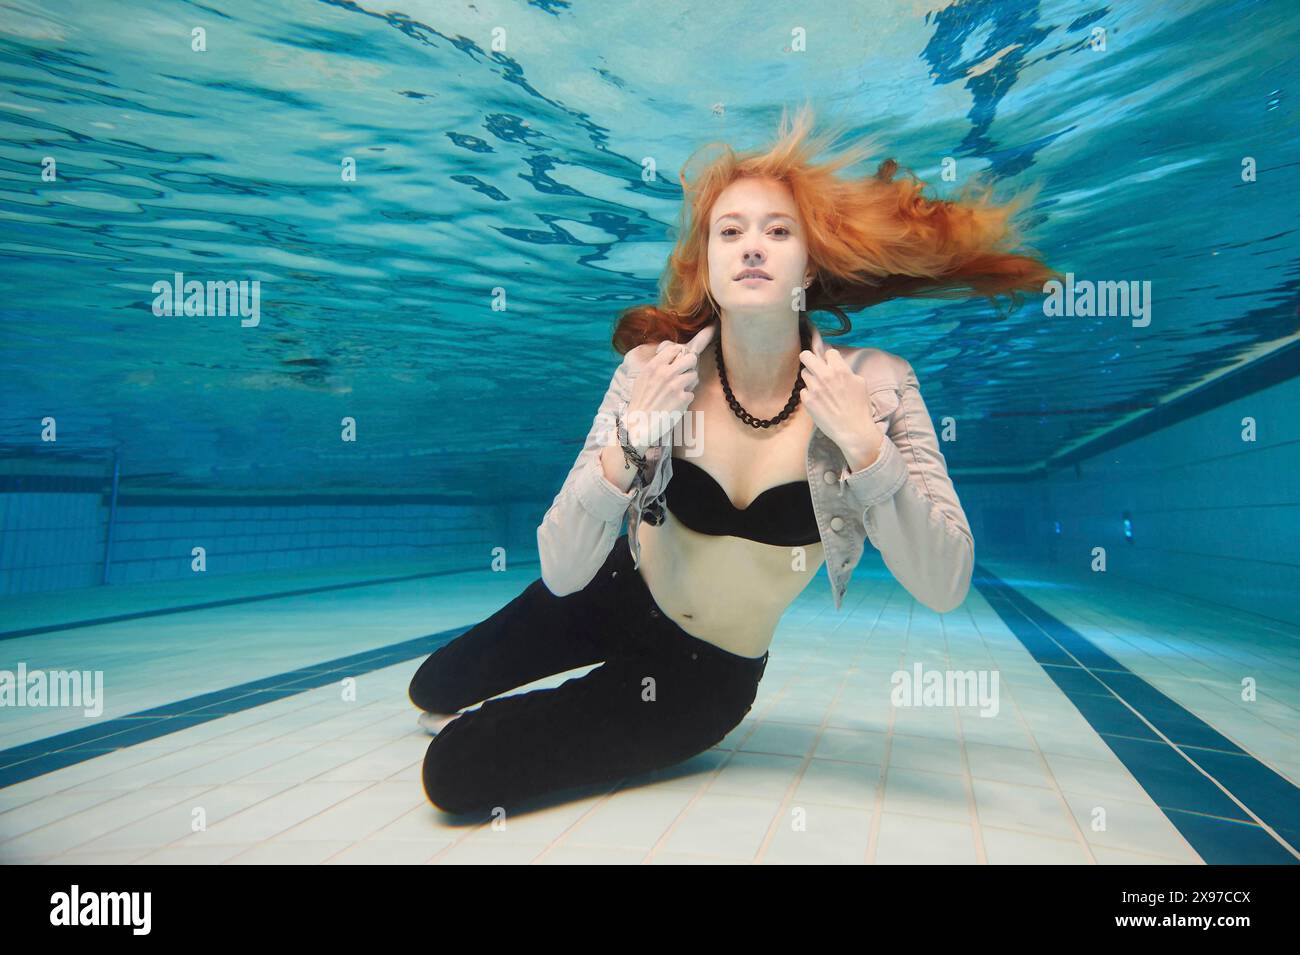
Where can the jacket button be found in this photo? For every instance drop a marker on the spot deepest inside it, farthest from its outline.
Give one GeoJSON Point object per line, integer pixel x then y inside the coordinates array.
{"type": "Point", "coordinates": [837, 523]}
{"type": "Point", "coordinates": [829, 477]}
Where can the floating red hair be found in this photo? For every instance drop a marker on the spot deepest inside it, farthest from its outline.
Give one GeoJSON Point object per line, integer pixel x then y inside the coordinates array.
{"type": "Point", "coordinates": [869, 239]}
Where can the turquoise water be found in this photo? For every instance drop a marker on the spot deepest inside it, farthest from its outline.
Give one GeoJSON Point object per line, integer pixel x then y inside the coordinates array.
{"type": "Point", "coordinates": [1163, 687]}
{"type": "Point", "coordinates": [521, 170]}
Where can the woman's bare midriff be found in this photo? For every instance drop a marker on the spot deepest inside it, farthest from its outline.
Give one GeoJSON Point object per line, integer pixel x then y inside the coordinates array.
{"type": "Point", "coordinates": [731, 591]}
{"type": "Point", "coordinates": [727, 591]}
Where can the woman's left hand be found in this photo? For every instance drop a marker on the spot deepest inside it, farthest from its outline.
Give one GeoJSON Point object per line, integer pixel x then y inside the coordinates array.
{"type": "Point", "coordinates": [840, 406]}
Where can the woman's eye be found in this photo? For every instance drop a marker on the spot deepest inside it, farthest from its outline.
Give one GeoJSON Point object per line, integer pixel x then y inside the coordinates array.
{"type": "Point", "coordinates": [732, 228]}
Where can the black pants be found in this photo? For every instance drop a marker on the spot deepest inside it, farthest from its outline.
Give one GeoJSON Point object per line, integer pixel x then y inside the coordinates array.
{"type": "Point", "coordinates": [659, 697]}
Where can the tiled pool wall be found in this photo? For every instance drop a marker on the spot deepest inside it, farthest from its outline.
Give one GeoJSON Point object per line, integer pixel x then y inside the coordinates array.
{"type": "Point", "coordinates": [1213, 516]}
{"type": "Point", "coordinates": [55, 540]}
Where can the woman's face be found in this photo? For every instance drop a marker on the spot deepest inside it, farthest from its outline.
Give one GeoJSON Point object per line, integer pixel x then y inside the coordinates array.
{"type": "Point", "coordinates": [754, 225]}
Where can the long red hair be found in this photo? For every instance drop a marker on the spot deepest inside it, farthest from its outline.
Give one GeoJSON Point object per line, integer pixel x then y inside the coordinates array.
{"type": "Point", "coordinates": [869, 239]}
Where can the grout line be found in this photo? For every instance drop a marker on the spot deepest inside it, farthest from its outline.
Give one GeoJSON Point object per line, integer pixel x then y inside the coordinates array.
{"type": "Point", "coordinates": [781, 813]}
{"type": "Point", "coordinates": [968, 778]}
{"type": "Point", "coordinates": [1080, 837]}
{"type": "Point", "coordinates": [878, 810]}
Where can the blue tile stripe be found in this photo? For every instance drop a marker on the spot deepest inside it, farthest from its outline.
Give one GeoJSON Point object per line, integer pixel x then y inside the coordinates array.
{"type": "Point", "coordinates": [1099, 686]}
{"type": "Point", "coordinates": [29, 760]}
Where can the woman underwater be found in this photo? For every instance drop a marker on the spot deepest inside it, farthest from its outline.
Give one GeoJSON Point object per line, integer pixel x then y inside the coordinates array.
{"type": "Point", "coordinates": [744, 454]}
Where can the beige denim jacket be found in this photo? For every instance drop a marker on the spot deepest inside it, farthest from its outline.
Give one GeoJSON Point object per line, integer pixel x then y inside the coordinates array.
{"type": "Point", "coordinates": [904, 502]}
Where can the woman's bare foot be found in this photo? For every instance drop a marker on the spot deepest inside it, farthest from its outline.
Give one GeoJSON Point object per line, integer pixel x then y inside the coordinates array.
{"type": "Point", "coordinates": [432, 723]}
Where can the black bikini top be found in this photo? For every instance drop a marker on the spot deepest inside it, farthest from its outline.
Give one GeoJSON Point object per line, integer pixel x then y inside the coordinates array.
{"type": "Point", "coordinates": [780, 515]}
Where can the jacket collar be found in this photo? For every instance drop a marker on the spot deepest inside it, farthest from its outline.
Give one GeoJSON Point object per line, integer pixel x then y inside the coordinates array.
{"type": "Point", "coordinates": [701, 339]}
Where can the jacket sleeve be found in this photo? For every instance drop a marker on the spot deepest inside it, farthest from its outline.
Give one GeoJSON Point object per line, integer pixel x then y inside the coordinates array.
{"type": "Point", "coordinates": [580, 527]}
{"type": "Point", "coordinates": [910, 510]}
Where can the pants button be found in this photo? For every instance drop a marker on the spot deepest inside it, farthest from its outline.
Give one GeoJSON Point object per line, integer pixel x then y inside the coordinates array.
{"type": "Point", "coordinates": [695, 656]}
{"type": "Point", "coordinates": [614, 574]}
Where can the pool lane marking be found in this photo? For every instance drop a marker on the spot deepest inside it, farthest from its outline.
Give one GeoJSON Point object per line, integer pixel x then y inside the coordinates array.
{"type": "Point", "coordinates": [1071, 660]}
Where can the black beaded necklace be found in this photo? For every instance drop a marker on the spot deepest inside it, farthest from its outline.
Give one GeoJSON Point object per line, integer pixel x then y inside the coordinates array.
{"type": "Point", "coordinates": [805, 338]}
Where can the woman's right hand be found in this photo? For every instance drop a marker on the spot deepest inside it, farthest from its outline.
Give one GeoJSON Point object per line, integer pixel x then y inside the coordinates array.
{"type": "Point", "coordinates": [661, 394]}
